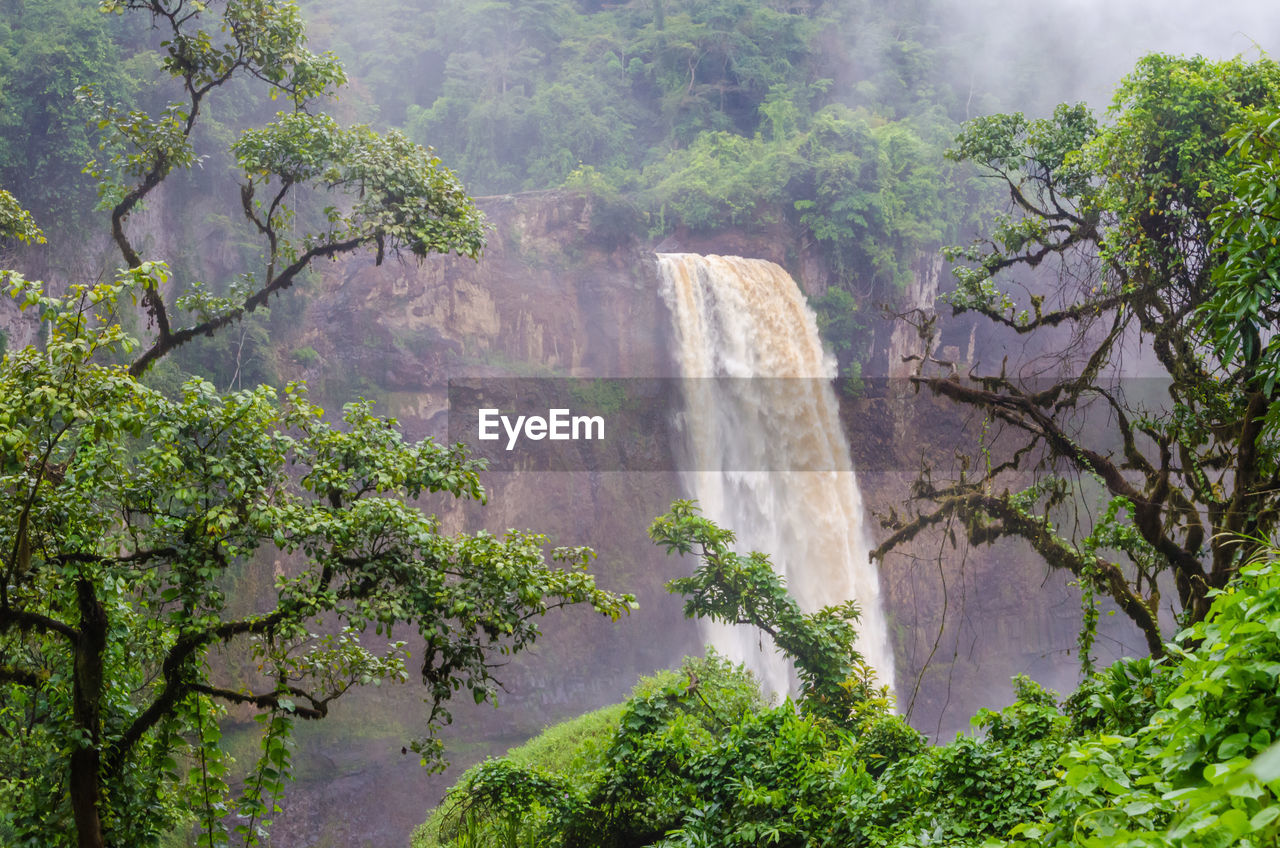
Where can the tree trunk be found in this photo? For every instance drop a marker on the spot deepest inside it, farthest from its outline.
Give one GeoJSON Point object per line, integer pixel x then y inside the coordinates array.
{"type": "Point", "coordinates": [84, 797]}
{"type": "Point", "coordinates": [86, 704]}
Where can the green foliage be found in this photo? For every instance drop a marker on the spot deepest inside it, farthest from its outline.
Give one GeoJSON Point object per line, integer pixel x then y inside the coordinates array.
{"type": "Point", "coordinates": [770, 781]}
{"type": "Point", "coordinates": [883, 739]}
{"type": "Point", "coordinates": [613, 765]}
{"type": "Point", "coordinates": [571, 751]}
{"type": "Point", "coordinates": [1237, 316]}
{"type": "Point", "coordinates": [529, 90]}
{"type": "Point", "coordinates": [1121, 699]}
{"type": "Point", "coordinates": [723, 180]}
{"type": "Point", "coordinates": [1125, 211]}
{"type": "Point", "coordinates": [1173, 753]}
{"type": "Point", "coordinates": [843, 328]}
{"type": "Point", "coordinates": [404, 197]}
{"type": "Point", "coordinates": [971, 790]}
{"type": "Point", "coordinates": [664, 729]}
{"type": "Point", "coordinates": [126, 512]}
{"type": "Point", "coordinates": [599, 395]}
{"type": "Point", "coordinates": [730, 587]}
{"type": "Point", "coordinates": [1201, 769]}
{"type": "Point", "coordinates": [16, 222]}
{"type": "Point", "coordinates": [873, 198]}
{"type": "Point", "coordinates": [48, 49]}
{"type": "Point", "coordinates": [306, 356]}
{"type": "Point", "coordinates": [573, 747]}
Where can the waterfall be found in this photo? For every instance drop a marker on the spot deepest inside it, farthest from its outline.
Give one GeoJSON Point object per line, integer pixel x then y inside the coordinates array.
{"type": "Point", "coordinates": [767, 457]}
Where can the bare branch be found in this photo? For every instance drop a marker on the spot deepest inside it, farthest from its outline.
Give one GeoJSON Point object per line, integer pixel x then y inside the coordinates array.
{"type": "Point", "coordinates": [269, 700]}
{"type": "Point", "coordinates": [164, 344]}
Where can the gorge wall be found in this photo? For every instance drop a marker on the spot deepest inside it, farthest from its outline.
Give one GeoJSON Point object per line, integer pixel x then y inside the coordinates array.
{"type": "Point", "coordinates": [567, 288]}
{"type": "Point", "coordinates": [562, 290]}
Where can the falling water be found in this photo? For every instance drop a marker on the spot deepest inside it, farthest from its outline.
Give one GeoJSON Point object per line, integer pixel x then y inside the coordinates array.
{"type": "Point", "coordinates": [746, 318]}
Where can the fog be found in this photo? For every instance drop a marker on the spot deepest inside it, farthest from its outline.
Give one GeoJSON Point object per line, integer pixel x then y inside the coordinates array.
{"type": "Point", "coordinates": [1030, 56]}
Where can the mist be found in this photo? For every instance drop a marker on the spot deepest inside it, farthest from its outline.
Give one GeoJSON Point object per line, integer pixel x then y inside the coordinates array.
{"type": "Point", "coordinates": [1032, 56]}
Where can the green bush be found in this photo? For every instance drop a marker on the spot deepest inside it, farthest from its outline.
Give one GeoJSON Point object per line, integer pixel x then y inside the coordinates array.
{"type": "Point", "coordinates": [1176, 754]}
{"type": "Point", "coordinates": [1203, 769]}
{"type": "Point", "coordinates": [611, 762]}
{"type": "Point", "coordinates": [884, 740]}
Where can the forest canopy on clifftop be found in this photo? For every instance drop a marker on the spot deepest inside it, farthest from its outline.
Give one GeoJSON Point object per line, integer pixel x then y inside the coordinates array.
{"type": "Point", "coordinates": [695, 114]}
{"type": "Point", "coordinates": [703, 113]}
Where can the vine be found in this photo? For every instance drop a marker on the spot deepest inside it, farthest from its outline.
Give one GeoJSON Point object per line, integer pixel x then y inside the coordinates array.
{"type": "Point", "coordinates": [270, 774]}
{"type": "Point", "coordinates": [213, 769]}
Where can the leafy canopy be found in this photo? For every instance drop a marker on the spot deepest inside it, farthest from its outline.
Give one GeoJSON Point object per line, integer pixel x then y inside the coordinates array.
{"type": "Point", "coordinates": [131, 519]}
{"type": "Point", "coordinates": [1114, 243]}
{"type": "Point", "coordinates": [128, 517]}
{"type": "Point", "coordinates": [392, 194]}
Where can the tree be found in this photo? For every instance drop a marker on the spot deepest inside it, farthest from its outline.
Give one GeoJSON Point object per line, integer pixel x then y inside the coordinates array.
{"type": "Point", "coordinates": [399, 195]}
{"type": "Point", "coordinates": [128, 515]}
{"type": "Point", "coordinates": [1126, 210]}
{"type": "Point", "coordinates": [729, 587]}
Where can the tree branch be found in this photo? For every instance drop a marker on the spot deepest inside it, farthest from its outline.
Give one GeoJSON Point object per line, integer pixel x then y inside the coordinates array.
{"type": "Point", "coordinates": [11, 619]}
{"type": "Point", "coordinates": [176, 685]}
{"type": "Point", "coordinates": [164, 344]}
{"type": "Point", "coordinates": [268, 700]}
{"type": "Point", "coordinates": [970, 508]}
{"type": "Point", "coordinates": [22, 676]}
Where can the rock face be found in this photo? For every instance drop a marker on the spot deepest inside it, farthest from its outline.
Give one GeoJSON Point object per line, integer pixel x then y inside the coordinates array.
{"type": "Point", "coordinates": [916, 306]}
{"type": "Point", "coordinates": [564, 290]}
{"type": "Point", "coordinates": [551, 297]}
{"type": "Point", "coordinates": [547, 298]}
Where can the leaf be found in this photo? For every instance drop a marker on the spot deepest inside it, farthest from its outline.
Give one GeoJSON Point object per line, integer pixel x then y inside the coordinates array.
{"type": "Point", "coordinates": [1232, 745]}
{"type": "Point", "coordinates": [1266, 766]}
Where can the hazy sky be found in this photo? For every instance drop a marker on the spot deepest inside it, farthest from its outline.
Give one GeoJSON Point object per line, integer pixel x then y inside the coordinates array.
{"type": "Point", "coordinates": [1079, 49]}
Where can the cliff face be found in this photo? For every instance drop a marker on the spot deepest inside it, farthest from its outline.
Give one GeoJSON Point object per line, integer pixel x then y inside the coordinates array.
{"type": "Point", "coordinates": [916, 305]}
{"type": "Point", "coordinates": [564, 290]}
{"type": "Point", "coordinates": [549, 297]}
{"type": "Point", "coordinates": [553, 295]}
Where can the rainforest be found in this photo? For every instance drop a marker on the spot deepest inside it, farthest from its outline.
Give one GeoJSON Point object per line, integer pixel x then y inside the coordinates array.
{"type": "Point", "coordinates": [925, 354]}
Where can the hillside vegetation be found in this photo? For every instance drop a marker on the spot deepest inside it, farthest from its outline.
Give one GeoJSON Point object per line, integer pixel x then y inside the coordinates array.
{"type": "Point", "coordinates": [1174, 752]}
{"type": "Point", "coordinates": [703, 113]}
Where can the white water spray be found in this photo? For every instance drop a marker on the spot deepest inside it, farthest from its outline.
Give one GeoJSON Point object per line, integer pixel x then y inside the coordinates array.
{"type": "Point", "coordinates": [746, 318]}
